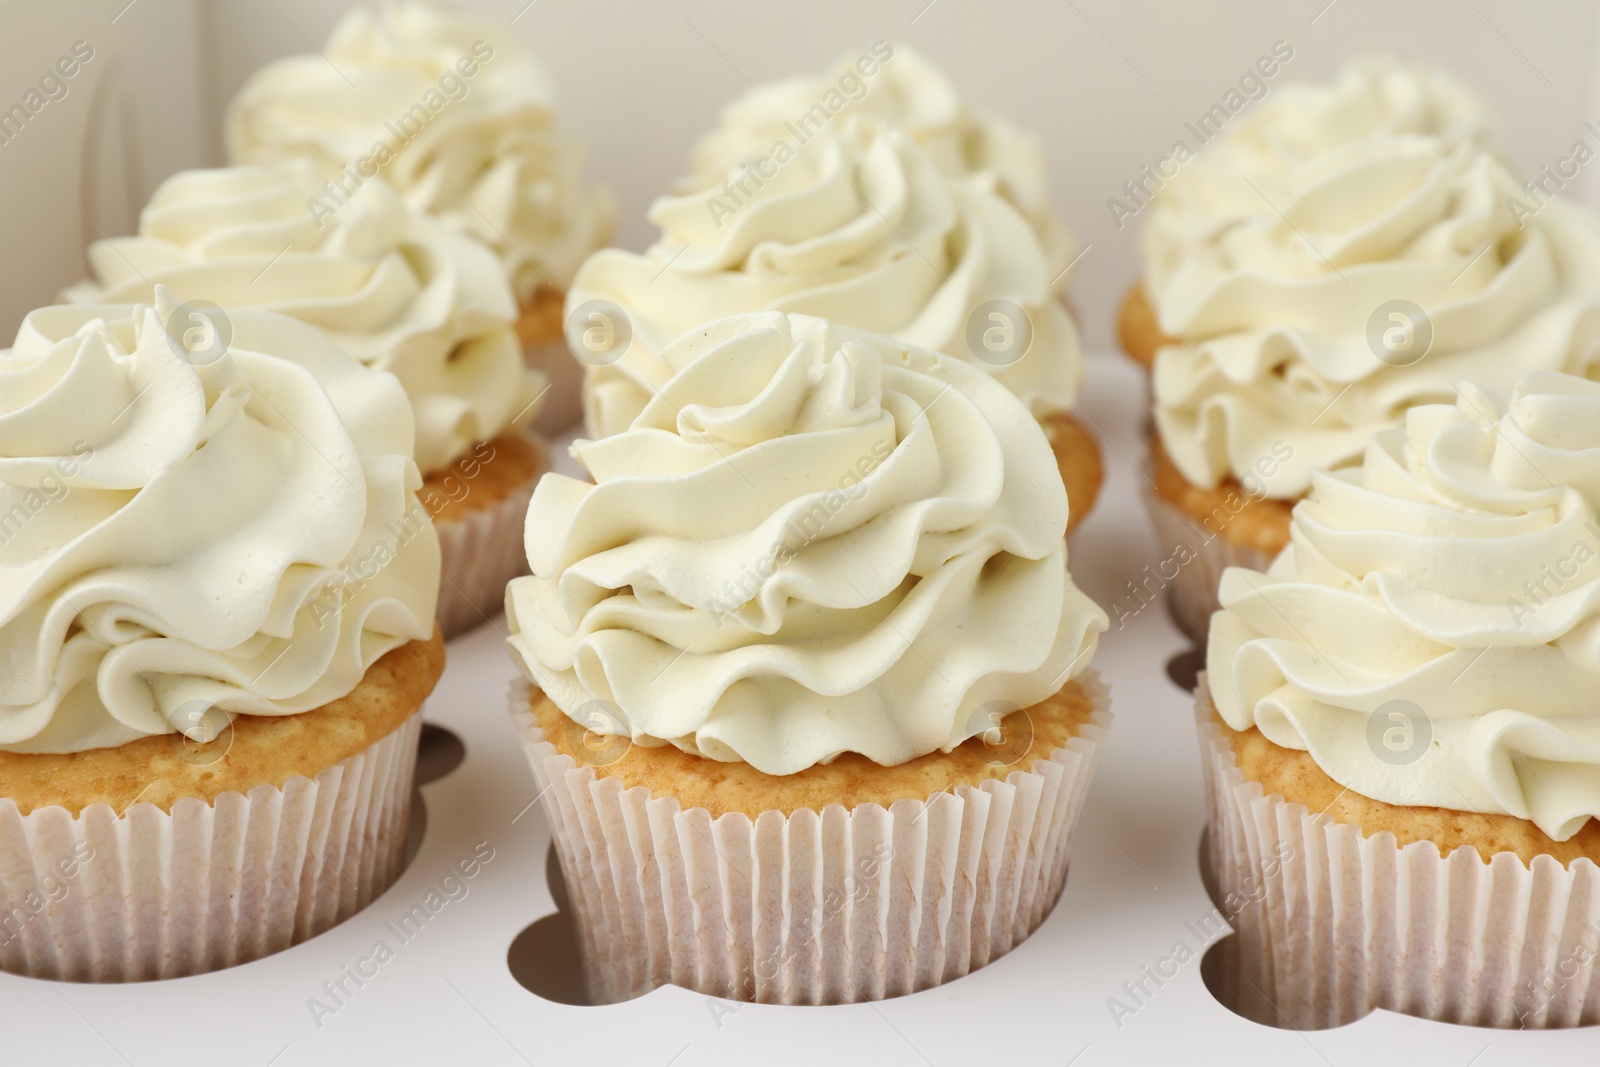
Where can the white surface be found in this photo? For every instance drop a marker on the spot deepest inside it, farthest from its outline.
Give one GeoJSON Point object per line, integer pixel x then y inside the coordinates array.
{"type": "Point", "coordinates": [447, 996]}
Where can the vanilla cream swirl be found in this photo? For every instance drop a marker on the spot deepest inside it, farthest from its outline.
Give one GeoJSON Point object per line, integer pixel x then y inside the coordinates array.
{"type": "Point", "coordinates": [399, 291]}
{"type": "Point", "coordinates": [813, 541]}
{"type": "Point", "coordinates": [1300, 126]}
{"type": "Point", "coordinates": [905, 89]}
{"type": "Point", "coordinates": [465, 112]}
{"type": "Point", "coordinates": [1287, 312]}
{"type": "Point", "coordinates": [1455, 576]}
{"type": "Point", "coordinates": [860, 227]}
{"type": "Point", "coordinates": [177, 536]}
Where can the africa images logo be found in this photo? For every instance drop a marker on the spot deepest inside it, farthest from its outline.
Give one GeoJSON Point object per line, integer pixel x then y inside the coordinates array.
{"type": "Point", "coordinates": [53, 85]}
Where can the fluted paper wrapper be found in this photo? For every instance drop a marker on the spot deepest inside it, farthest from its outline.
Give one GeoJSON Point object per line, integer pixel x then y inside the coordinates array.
{"type": "Point", "coordinates": [564, 403]}
{"type": "Point", "coordinates": [1342, 924]}
{"type": "Point", "coordinates": [150, 894]}
{"type": "Point", "coordinates": [478, 554]}
{"type": "Point", "coordinates": [809, 908]}
{"type": "Point", "coordinates": [562, 406]}
{"type": "Point", "coordinates": [1192, 593]}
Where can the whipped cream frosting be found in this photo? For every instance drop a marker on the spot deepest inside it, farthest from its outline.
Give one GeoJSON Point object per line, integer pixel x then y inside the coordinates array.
{"type": "Point", "coordinates": [399, 291]}
{"type": "Point", "coordinates": [466, 121]}
{"type": "Point", "coordinates": [1275, 306]}
{"type": "Point", "coordinates": [813, 541]}
{"type": "Point", "coordinates": [860, 227]}
{"type": "Point", "coordinates": [899, 85]}
{"type": "Point", "coordinates": [1456, 570]}
{"type": "Point", "coordinates": [241, 533]}
{"type": "Point", "coordinates": [1300, 125]}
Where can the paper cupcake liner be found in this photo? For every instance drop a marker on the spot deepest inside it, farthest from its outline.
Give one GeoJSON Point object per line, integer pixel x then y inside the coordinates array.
{"type": "Point", "coordinates": [830, 908]}
{"type": "Point", "coordinates": [1331, 924]}
{"type": "Point", "coordinates": [478, 554]}
{"type": "Point", "coordinates": [151, 894]}
{"type": "Point", "coordinates": [562, 406]}
{"type": "Point", "coordinates": [1192, 591]}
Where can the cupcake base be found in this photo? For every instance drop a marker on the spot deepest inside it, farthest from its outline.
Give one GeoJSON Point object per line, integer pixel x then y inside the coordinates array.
{"type": "Point", "coordinates": [1078, 458]}
{"type": "Point", "coordinates": [135, 889]}
{"type": "Point", "coordinates": [1201, 533]}
{"type": "Point", "coordinates": [542, 331]}
{"type": "Point", "coordinates": [815, 905]}
{"type": "Point", "coordinates": [1138, 329]}
{"type": "Point", "coordinates": [479, 506]}
{"type": "Point", "coordinates": [1331, 924]}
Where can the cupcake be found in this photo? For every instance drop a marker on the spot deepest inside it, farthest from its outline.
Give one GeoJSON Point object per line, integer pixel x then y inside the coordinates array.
{"type": "Point", "coordinates": [809, 707]}
{"type": "Point", "coordinates": [1400, 731]}
{"type": "Point", "coordinates": [218, 623]}
{"type": "Point", "coordinates": [459, 118]}
{"type": "Point", "coordinates": [1339, 256]}
{"type": "Point", "coordinates": [399, 291]}
{"type": "Point", "coordinates": [857, 224]}
{"type": "Point", "coordinates": [903, 88]}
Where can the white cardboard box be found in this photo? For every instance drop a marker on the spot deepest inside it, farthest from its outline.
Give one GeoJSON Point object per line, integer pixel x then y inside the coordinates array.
{"type": "Point", "coordinates": [147, 104]}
